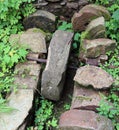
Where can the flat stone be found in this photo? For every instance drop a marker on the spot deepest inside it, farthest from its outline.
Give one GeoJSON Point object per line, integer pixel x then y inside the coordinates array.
{"type": "Point", "coordinates": [84, 120]}
{"type": "Point", "coordinates": [54, 74]}
{"type": "Point", "coordinates": [28, 82]}
{"type": "Point", "coordinates": [41, 19]}
{"type": "Point", "coordinates": [96, 29]}
{"type": "Point", "coordinates": [96, 47]}
{"type": "Point", "coordinates": [85, 99]}
{"type": "Point", "coordinates": [89, 12]}
{"type": "Point", "coordinates": [22, 102]}
{"type": "Point", "coordinates": [35, 41]}
{"type": "Point", "coordinates": [26, 69]}
{"type": "Point", "coordinates": [93, 76]}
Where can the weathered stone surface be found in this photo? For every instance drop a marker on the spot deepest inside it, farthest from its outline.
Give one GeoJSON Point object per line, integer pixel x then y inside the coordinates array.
{"type": "Point", "coordinates": [35, 41]}
{"type": "Point", "coordinates": [96, 29]}
{"type": "Point", "coordinates": [84, 120]}
{"type": "Point", "coordinates": [28, 82]}
{"type": "Point", "coordinates": [33, 56]}
{"type": "Point", "coordinates": [41, 19]}
{"type": "Point", "coordinates": [28, 69]}
{"type": "Point", "coordinates": [96, 47]}
{"type": "Point", "coordinates": [87, 14]}
{"type": "Point", "coordinates": [21, 101]}
{"type": "Point", "coordinates": [93, 76]}
{"type": "Point", "coordinates": [85, 99]}
{"type": "Point", "coordinates": [53, 0]}
{"type": "Point", "coordinates": [54, 73]}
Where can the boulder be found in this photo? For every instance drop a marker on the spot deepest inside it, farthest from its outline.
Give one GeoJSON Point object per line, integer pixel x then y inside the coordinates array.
{"type": "Point", "coordinates": [96, 29]}
{"type": "Point", "coordinates": [41, 19]}
{"type": "Point", "coordinates": [89, 12]}
{"type": "Point", "coordinates": [85, 99]}
{"type": "Point", "coordinates": [84, 120]}
{"type": "Point", "coordinates": [35, 41]}
{"type": "Point", "coordinates": [54, 74]}
{"type": "Point", "coordinates": [22, 102]}
{"type": "Point", "coordinates": [93, 76]}
{"type": "Point", "coordinates": [96, 47]}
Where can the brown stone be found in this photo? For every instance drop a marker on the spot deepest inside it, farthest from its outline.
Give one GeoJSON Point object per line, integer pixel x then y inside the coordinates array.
{"type": "Point", "coordinates": [87, 99]}
{"type": "Point", "coordinates": [96, 47]}
{"type": "Point", "coordinates": [96, 29]}
{"type": "Point", "coordinates": [93, 76]}
{"type": "Point", "coordinates": [84, 120]}
{"type": "Point", "coordinates": [86, 14]}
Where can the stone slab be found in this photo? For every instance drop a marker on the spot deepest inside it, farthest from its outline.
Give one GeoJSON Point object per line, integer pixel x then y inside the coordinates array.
{"type": "Point", "coordinates": [28, 69]}
{"type": "Point", "coordinates": [93, 76]}
{"type": "Point", "coordinates": [84, 120]}
{"type": "Point", "coordinates": [96, 47]}
{"type": "Point", "coordinates": [41, 19]}
{"type": "Point", "coordinates": [21, 101]}
{"type": "Point", "coordinates": [86, 99]}
{"type": "Point", "coordinates": [54, 74]}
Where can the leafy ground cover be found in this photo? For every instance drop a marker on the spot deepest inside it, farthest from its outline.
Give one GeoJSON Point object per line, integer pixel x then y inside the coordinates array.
{"type": "Point", "coordinates": [11, 14]}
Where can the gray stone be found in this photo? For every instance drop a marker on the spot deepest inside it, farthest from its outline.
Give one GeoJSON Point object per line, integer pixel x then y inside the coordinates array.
{"type": "Point", "coordinates": [41, 19]}
{"type": "Point", "coordinates": [53, 0]}
{"type": "Point", "coordinates": [96, 47]}
{"type": "Point", "coordinates": [28, 82]}
{"type": "Point", "coordinates": [33, 56]}
{"type": "Point", "coordinates": [54, 73]}
{"type": "Point", "coordinates": [22, 102]}
{"type": "Point", "coordinates": [96, 29]}
{"type": "Point", "coordinates": [85, 99]}
{"type": "Point", "coordinates": [35, 41]}
{"type": "Point", "coordinates": [81, 19]}
{"type": "Point", "coordinates": [84, 120]}
{"type": "Point", "coordinates": [26, 69]}
{"type": "Point", "coordinates": [93, 76]}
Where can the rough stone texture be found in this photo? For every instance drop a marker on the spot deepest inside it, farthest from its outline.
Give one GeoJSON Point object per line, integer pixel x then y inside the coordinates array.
{"type": "Point", "coordinates": [53, 0]}
{"type": "Point", "coordinates": [28, 82]}
{"type": "Point", "coordinates": [54, 73]}
{"type": "Point", "coordinates": [85, 99]}
{"type": "Point", "coordinates": [96, 29]}
{"type": "Point", "coordinates": [93, 76]}
{"type": "Point", "coordinates": [84, 120]}
{"type": "Point", "coordinates": [87, 14]}
{"type": "Point", "coordinates": [35, 41]}
{"type": "Point", "coordinates": [96, 47]}
{"type": "Point", "coordinates": [41, 19]}
{"type": "Point", "coordinates": [28, 69]}
{"type": "Point", "coordinates": [63, 8]}
{"type": "Point", "coordinates": [21, 101]}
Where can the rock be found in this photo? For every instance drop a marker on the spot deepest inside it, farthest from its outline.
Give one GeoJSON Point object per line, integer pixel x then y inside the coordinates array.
{"type": "Point", "coordinates": [96, 29]}
{"type": "Point", "coordinates": [33, 56]}
{"type": "Point", "coordinates": [35, 41]}
{"type": "Point", "coordinates": [28, 69]}
{"type": "Point", "coordinates": [54, 74]}
{"type": "Point", "coordinates": [96, 47]}
{"type": "Point", "coordinates": [84, 120]}
{"type": "Point", "coordinates": [29, 82]}
{"type": "Point", "coordinates": [85, 99]}
{"type": "Point", "coordinates": [53, 0]}
{"type": "Point", "coordinates": [81, 19]}
{"type": "Point", "coordinates": [41, 19]}
{"type": "Point", "coordinates": [93, 76]}
{"type": "Point", "coordinates": [21, 101]}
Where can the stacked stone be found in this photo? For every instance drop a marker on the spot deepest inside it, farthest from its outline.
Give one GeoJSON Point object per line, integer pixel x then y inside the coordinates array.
{"type": "Point", "coordinates": [26, 81]}
{"type": "Point", "coordinates": [90, 80]}
{"type": "Point", "coordinates": [65, 8]}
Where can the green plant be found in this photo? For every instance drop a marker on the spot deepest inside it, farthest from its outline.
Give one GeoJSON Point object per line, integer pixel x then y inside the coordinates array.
{"type": "Point", "coordinates": [67, 106]}
{"type": "Point", "coordinates": [11, 14]}
{"type": "Point", "coordinates": [44, 116]}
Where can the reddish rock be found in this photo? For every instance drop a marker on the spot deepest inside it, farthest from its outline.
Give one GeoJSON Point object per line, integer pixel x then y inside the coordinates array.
{"type": "Point", "coordinates": [83, 98]}
{"type": "Point", "coordinates": [84, 120]}
{"type": "Point", "coordinates": [86, 14]}
{"type": "Point", "coordinates": [93, 76]}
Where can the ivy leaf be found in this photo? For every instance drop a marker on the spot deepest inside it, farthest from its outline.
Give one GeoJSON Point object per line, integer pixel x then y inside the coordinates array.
{"type": "Point", "coordinates": [116, 15]}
